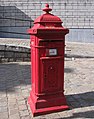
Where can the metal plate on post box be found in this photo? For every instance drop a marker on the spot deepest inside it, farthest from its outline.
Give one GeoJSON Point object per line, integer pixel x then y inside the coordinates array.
{"type": "Point", "coordinates": [52, 52]}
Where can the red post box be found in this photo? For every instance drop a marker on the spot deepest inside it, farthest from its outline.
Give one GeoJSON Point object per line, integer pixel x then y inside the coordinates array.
{"type": "Point", "coordinates": [47, 61]}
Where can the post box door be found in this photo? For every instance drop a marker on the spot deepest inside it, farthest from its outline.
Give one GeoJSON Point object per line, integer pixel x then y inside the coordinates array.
{"type": "Point", "coordinates": [52, 72]}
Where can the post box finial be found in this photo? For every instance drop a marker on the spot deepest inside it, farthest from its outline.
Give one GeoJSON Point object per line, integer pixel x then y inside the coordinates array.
{"type": "Point", "coordinates": [47, 9]}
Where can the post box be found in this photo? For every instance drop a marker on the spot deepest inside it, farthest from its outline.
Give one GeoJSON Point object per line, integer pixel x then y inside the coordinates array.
{"type": "Point", "coordinates": [47, 64]}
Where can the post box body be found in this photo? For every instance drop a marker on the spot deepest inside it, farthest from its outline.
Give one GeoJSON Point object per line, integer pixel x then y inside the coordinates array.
{"type": "Point", "coordinates": [47, 64]}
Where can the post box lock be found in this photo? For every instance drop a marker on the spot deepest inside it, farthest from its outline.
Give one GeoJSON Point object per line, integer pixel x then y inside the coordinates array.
{"type": "Point", "coordinates": [51, 68]}
{"type": "Point", "coordinates": [51, 52]}
{"type": "Point", "coordinates": [45, 77]}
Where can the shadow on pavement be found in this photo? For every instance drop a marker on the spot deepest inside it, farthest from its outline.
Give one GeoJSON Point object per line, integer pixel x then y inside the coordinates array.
{"type": "Point", "coordinates": [68, 70]}
{"type": "Point", "coordinates": [13, 75]}
{"type": "Point", "coordinates": [81, 115]}
{"type": "Point", "coordinates": [78, 56]}
{"type": "Point", "coordinates": [81, 100]}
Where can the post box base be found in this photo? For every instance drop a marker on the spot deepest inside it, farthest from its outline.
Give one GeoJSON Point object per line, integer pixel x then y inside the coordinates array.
{"type": "Point", "coordinates": [41, 107]}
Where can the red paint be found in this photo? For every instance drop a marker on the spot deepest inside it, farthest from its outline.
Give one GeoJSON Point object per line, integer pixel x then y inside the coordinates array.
{"type": "Point", "coordinates": [47, 49]}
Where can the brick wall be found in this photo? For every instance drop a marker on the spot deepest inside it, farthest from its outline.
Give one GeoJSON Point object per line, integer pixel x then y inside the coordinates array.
{"type": "Point", "coordinates": [74, 13]}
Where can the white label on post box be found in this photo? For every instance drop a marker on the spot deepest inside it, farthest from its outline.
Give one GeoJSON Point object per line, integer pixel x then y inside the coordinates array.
{"type": "Point", "coordinates": [52, 51]}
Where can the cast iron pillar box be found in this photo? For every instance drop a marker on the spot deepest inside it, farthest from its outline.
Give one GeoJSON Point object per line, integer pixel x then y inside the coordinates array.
{"type": "Point", "coordinates": [47, 60]}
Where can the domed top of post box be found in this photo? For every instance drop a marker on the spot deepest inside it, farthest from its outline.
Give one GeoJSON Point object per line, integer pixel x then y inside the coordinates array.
{"type": "Point", "coordinates": [47, 17]}
{"type": "Point", "coordinates": [47, 23]}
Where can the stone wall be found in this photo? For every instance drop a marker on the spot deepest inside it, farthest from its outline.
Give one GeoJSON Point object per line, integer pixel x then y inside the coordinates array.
{"type": "Point", "coordinates": [14, 53]}
{"type": "Point", "coordinates": [75, 14]}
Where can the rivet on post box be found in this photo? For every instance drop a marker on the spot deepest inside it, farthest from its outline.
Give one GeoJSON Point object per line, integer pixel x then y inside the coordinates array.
{"type": "Point", "coordinates": [47, 62]}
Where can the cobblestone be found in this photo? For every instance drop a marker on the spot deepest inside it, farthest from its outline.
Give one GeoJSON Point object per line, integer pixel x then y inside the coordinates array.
{"type": "Point", "coordinates": [26, 117]}
{"type": "Point", "coordinates": [13, 111]}
{"type": "Point", "coordinates": [24, 113]}
{"type": "Point", "coordinates": [15, 42]}
{"type": "Point", "coordinates": [3, 109]}
{"type": "Point", "coordinates": [22, 102]}
{"type": "Point", "coordinates": [15, 116]}
{"type": "Point", "coordinates": [22, 107]}
{"type": "Point", "coordinates": [79, 86]}
{"type": "Point", "coordinates": [4, 115]}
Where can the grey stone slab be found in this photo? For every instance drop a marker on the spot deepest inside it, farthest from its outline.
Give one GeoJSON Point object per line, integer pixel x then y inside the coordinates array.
{"type": "Point", "coordinates": [4, 115]}
{"type": "Point", "coordinates": [24, 113]}
{"type": "Point", "coordinates": [15, 116]}
{"type": "Point", "coordinates": [3, 109]}
{"type": "Point", "coordinates": [13, 111]}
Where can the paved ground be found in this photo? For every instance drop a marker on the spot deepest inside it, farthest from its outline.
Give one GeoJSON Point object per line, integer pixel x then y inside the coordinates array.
{"type": "Point", "coordinates": [79, 86]}
{"type": "Point", "coordinates": [14, 41]}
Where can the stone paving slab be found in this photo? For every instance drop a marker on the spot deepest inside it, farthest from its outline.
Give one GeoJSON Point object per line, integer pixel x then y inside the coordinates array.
{"type": "Point", "coordinates": [15, 86]}
{"type": "Point", "coordinates": [80, 50]}
{"type": "Point", "coordinates": [15, 42]}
